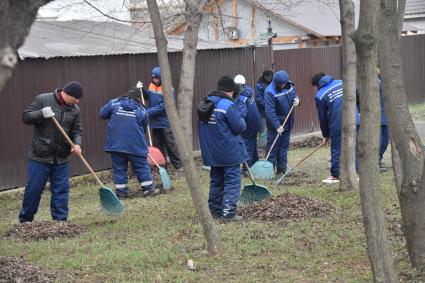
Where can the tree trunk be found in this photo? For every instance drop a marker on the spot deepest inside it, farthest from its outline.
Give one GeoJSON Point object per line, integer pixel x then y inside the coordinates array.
{"type": "Point", "coordinates": [191, 172]}
{"type": "Point", "coordinates": [371, 198]}
{"type": "Point", "coordinates": [411, 187]}
{"type": "Point", "coordinates": [348, 176]}
{"type": "Point", "coordinates": [16, 18]}
{"type": "Point", "coordinates": [193, 19]}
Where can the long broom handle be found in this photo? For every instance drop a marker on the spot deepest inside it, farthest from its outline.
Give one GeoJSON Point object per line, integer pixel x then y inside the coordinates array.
{"type": "Point", "coordinates": [284, 123]}
{"type": "Point", "coordinates": [154, 161]}
{"type": "Point", "coordinates": [301, 161]}
{"type": "Point", "coordinates": [149, 132]}
{"type": "Point", "coordinates": [79, 155]}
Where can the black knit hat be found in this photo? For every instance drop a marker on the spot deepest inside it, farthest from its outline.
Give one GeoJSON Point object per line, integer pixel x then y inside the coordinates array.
{"type": "Point", "coordinates": [74, 89]}
{"type": "Point", "coordinates": [134, 93]}
{"type": "Point", "coordinates": [226, 84]}
{"type": "Point", "coordinates": [316, 78]}
{"type": "Point", "coordinates": [267, 76]}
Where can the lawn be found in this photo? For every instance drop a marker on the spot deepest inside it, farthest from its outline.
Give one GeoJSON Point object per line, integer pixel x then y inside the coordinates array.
{"type": "Point", "coordinates": [158, 235]}
{"type": "Point", "coordinates": [418, 112]}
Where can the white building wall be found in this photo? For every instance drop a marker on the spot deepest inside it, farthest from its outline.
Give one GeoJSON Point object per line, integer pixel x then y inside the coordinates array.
{"type": "Point", "coordinates": [244, 23]}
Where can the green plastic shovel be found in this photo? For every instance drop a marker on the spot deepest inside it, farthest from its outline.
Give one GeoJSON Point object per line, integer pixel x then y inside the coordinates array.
{"type": "Point", "coordinates": [253, 193]}
{"type": "Point", "coordinates": [108, 200]}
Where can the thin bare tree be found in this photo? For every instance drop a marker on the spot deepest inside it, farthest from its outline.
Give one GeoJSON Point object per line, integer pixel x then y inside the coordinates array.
{"type": "Point", "coordinates": [348, 176]}
{"type": "Point", "coordinates": [16, 18]}
{"type": "Point", "coordinates": [366, 40]}
{"type": "Point", "coordinates": [210, 230]}
{"type": "Point", "coordinates": [407, 147]}
{"type": "Point", "coordinates": [193, 18]}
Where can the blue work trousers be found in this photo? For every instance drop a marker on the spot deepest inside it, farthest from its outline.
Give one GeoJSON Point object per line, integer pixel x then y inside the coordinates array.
{"type": "Point", "coordinates": [140, 167]}
{"type": "Point", "coordinates": [335, 153]}
{"type": "Point", "coordinates": [251, 149]}
{"type": "Point", "coordinates": [385, 139]}
{"type": "Point", "coordinates": [225, 186]}
{"type": "Point", "coordinates": [39, 173]}
{"type": "Point", "coordinates": [279, 153]}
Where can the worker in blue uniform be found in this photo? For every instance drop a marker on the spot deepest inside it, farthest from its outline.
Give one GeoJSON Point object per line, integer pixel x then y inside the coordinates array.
{"type": "Point", "coordinates": [222, 148]}
{"type": "Point", "coordinates": [279, 98]}
{"type": "Point", "coordinates": [126, 142]}
{"type": "Point", "coordinates": [329, 102]}
{"type": "Point", "coordinates": [251, 115]}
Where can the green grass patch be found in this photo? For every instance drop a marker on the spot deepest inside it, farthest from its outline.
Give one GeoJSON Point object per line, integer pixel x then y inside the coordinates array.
{"type": "Point", "coordinates": [158, 235]}
{"type": "Point", "coordinates": [418, 112]}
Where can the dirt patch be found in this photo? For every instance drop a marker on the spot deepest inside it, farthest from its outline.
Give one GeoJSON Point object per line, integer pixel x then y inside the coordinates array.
{"type": "Point", "coordinates": [308, 142]}
{"type": "Point", "coordinates": [14, 269]}
{"type": "Point", "coordinates": [285, 207]}
{"type": "Point", "coordinates": [43, 230]}
{"type": "Point", "coordinates": [297, 178]}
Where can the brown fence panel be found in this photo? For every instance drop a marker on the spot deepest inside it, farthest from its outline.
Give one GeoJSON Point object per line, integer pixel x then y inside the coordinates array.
{"type": "Point", "coordinates": [413, 58]}
{"type": "Point", "coordinates": [301, 65]}
{"type": "Point", "coordinates": [103, 78]}
{"type": "Point", "coordinates": [210, 66]}
{"type": "Point", "coordinates": [263, 60]}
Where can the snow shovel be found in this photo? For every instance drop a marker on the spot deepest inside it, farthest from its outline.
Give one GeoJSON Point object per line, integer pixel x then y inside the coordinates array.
{"type": "Point", "coordinates": [264, 169]}
{"type": "Point", "coordinates": [253, 193]}
{"type": "Point", "coordinates": [165, 178]}
{"type": "Point", "coordinates": [277, 182]}
{"type": "Point", "coordinates": [153, 151]}
{"type": "Point", "coordinates": [108, 200]}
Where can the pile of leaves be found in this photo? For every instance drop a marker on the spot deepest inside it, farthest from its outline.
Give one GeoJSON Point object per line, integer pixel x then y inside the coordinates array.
{"type": "Point", "coordinates": [285, 207]}
{"type": "Point", "coordinates": [14, 269]}
{"type": "Point", "coordinates": [43, 230]}
{"type": "Point", "coordinates": [296, 178]}
{"type": "Point", "coordinates": [308, 142]}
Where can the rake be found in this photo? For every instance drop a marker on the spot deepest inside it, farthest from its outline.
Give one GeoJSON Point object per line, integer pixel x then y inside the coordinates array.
{"type": "Point", "coordinates": [153, 151]}
{"type": "Point", "coordinates": [108, 200]}
{"type": "Point", "coordinates": [253, 193]}
{"type": "Point", "coordinates": [277, 182]}
{"type": "Point", "coordinates": [264, 169]}
{"type": "Point", "coordinates": [163, 174]}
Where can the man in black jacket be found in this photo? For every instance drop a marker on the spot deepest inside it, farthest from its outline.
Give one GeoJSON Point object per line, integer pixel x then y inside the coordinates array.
{"type": "Point", "coordinates": [49, 151]}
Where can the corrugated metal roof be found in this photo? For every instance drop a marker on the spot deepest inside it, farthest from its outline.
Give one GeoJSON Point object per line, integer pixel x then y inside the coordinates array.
{"type": "Point", "coordinates": [48, 39]}
{"type": "Point", "coordinates": [415, 7]}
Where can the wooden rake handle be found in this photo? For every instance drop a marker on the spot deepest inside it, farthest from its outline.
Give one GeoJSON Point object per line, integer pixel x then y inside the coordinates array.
{"type": "Point", "coordinates": [149, 132]}
{"type": "Point", "coordinates": [154, 161]}
{"type": "Point", "coordinates": [276, 183]}
{"type": "Point", "coordinates": [284, 123]}
{"type": "Point", "coordinates": [79, 155]}
{"type": "Point", "coordinates": [308, 155]}
{"type": "Point", "coordinates": [249, 173]}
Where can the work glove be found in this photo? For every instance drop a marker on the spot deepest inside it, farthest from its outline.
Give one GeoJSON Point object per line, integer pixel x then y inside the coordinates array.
{"type": "Point", "coordinates": [296, 101]}
{"type": "Point", "coordinates": [47, 112]}
{"type": "Point", "coordinates": [280, 130]}
{"type": "Point", "coordinates": [139, 84]}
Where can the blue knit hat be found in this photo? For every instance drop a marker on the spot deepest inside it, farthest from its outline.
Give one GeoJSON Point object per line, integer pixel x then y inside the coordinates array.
{"type": "Point", "coordinates": [74, 89]}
